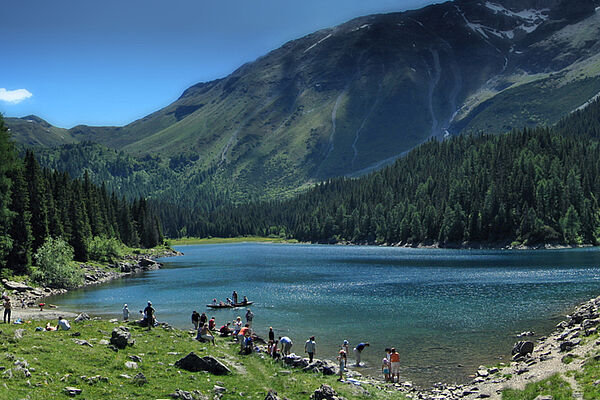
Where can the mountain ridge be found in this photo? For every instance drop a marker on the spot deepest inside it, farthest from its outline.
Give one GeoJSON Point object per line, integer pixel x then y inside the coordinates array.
{"type": "Point", "coordinates": [344, 99]}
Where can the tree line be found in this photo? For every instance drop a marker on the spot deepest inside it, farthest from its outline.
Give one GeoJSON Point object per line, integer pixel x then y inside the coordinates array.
{"type": "Point", "coordinates": [37, 203]}
{"type": "Point", "coordinates": [530, 186]}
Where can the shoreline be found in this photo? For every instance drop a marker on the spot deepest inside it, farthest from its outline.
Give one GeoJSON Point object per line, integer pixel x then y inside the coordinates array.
{"type": "Point", "coordinates": [128, 265]}
{"type": "Point", "coordinates": [487, 383]}
{"type": "Point", "coordinates": [499, 245]}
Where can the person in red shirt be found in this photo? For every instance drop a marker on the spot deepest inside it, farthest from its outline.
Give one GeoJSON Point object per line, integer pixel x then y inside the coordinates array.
{"type": "Point", "coordinates": [395, 365]}
{"type": "Point", "coordinates": [212, 324]}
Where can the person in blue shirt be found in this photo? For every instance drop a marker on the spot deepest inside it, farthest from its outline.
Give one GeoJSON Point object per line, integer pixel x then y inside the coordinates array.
{"type": "Point", "coordinates": [358, 350]}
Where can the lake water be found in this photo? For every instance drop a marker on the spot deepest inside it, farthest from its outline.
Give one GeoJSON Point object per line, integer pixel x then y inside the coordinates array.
{"type": "Point", "coordinates": [446, 311]}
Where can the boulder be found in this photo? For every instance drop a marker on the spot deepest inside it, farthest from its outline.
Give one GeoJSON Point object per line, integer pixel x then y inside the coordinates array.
{"type": "Point", "coordinates": [120, 337]}
{"type": "Point", "coordinates": [140, 379]}
{"type": "Point", "coordinates": [193, 363]}
{"type": "Point", "coordinates": [325, 392]}
{"type": "Point", "coordinates": [131, 365]}
{"type": "Point", "coordinates": [18, 286]}
{"type": "Point", "coordinates": [125, 267]}
{"type": "Point", "coordinates": [72, 391]}
{"type": "Point", "coordinates": [272, 395]}
{"type": "Point", "coordinates": [183, 395]}
{"type": "Point", "coordinates": [569, 344]}
{"type": "Point", "coordinates": [522, 348]}
{"type": "Point", "coordinates": [82, 317]}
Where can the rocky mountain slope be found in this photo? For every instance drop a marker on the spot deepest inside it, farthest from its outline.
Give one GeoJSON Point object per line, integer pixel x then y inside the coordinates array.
{"type": "Point", "coordinates": [349, 99]}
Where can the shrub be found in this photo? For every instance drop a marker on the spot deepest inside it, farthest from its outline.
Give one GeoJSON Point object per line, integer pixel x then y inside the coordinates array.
{"type": "Point", "coordinates": [55, 267]}
{"type": "Point", "coordinates": [101, 248]}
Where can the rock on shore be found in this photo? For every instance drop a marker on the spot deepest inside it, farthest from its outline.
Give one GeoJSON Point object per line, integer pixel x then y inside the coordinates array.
{"type": "Point", "coordinates": [93, 275]}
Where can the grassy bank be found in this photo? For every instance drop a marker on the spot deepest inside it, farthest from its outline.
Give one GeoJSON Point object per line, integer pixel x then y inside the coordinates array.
{"type": "Point", "coordinates": [241, 239]}
{"type": "Point", "coordinates": [56, 361]}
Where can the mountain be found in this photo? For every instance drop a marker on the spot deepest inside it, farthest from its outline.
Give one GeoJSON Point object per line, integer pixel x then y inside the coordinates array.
{"type": "Point", "coordinates": [352, 98]}
{"type": "Point", "coordinates": [529, 187]}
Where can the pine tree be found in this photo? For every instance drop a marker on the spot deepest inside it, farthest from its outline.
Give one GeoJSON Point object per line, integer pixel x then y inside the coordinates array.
{"type": "Point", "coordinates": [19, 258]}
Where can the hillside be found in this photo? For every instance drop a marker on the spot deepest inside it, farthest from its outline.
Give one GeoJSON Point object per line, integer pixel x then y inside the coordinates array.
{"type": "Point", "coordinates": [522, 188]}
{"type": "Point", "coordinates": [352, 98]}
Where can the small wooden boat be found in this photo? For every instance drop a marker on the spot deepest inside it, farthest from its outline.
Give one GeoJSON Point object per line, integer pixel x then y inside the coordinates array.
{"type": "Point", "coordinates": [225, 305]}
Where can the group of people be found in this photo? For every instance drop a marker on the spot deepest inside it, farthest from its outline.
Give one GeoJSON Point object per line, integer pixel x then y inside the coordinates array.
{"type": "Point", "coordinates": [148, 316]}
{"type": "Point", "coordinates": [343, 356]}
{"type": "Point", "coordinates": [231, 301]}
{"type": "Point", "coordinates": [242, 333]}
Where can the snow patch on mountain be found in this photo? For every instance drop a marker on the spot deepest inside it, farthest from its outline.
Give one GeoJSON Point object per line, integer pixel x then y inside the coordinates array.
{"type": "Point", "coordinates": [318, 43]}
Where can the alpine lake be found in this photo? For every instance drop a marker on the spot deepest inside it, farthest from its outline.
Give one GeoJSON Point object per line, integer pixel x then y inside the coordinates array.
{"type": "Point", "coordinates": [445, 311]}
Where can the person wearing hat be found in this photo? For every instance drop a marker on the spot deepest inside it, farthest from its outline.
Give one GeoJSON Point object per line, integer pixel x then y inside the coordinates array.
{"type": "Point", "coordinates": [125, 313]}
{"type": "Point", "coordinates": [345, 345]}
{"type": "Point", "coordinates": [149, 311]}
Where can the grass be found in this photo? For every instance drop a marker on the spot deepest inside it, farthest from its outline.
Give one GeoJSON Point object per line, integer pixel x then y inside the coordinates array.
{"type": "Point", "coordinates": [241, 239]}
{"type": "Point", "coordinates": [588, 378]}
{"type": "Point", "coordinates": [555, 386]}
{"type": "Point", "coordinates": [56, 361]}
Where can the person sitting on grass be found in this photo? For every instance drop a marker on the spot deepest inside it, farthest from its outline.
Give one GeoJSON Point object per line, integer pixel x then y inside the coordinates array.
{"type": "Point", "coordinates": [49, 327]}
{"type": "Point", "coordinates": [204, 334]}
{"type": "Point", "coordinates": [63, 324]}
{"type": "Point", "coordinates": [224, 330]}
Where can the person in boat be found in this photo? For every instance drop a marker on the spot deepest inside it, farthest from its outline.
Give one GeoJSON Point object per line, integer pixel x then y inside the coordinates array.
{"type": "Point", "coordinates": [249, 317]}
{"type": "Point", "coordinates": [225, 330]}
{"type": "Point", "coordinates": [229, 302]}
{"type": "Point", "coordinates": [234, 296]}
{"type": "Point", "coordinates": [195, 319]}
{"type": "Point", "coordinates": [245, 301]}
{"type": "Point", "coordinates": [203, 319]}
{"type": "Point", "coordinates": [214, 302]}
{"type": "Point", "coordinates": [212, 324]}
{"type": "Point", "coordinates": [204, 334]}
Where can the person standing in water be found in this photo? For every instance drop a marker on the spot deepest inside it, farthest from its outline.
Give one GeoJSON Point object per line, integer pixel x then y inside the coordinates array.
{"type": "Point", "coordinates": [395, 365]}
{"type": "Point", "coordinates": [358, 350]}
{"type": "Point", "coordinates": [125, 313]}
{"type": "Point", "coordinates": [249, 317]}
{"type": "Point", "coordinates": [342, 359]}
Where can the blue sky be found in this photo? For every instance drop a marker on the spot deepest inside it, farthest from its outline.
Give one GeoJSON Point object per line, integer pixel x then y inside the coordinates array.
{"type": "Point", "coordinates": [110, 62]}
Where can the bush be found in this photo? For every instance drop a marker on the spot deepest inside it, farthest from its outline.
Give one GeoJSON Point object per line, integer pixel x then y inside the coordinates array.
{"type": "Point", "coordinates": [55, 267]}
{"type": "Point", "coordinates": [104, 249]}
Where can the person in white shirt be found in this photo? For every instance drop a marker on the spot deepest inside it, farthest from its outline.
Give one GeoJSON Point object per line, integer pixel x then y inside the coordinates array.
{"type": "Point", "coordinates": [63, 324]}
{"type": "Point", "coordinates": [309, 347]}
{"type": "Point", "coordinates": [125, 313]}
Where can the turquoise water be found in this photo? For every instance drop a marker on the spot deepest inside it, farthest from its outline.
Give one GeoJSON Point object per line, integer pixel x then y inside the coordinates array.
{"type": "Point", "coordinates": [446, 311]}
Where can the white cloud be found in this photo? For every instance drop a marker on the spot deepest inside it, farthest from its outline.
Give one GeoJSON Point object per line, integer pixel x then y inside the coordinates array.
{"type": "Point", "coordinates": [14, 96]}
